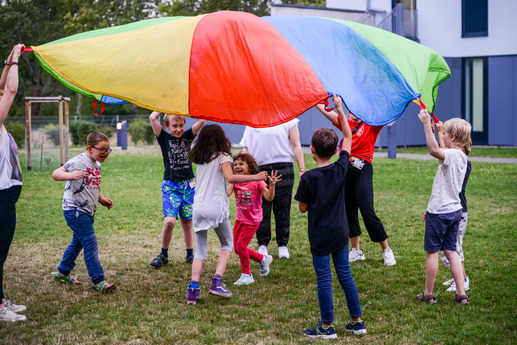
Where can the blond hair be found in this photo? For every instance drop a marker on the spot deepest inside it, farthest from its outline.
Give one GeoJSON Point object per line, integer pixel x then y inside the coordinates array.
{"type": "Point", "coordinates": [460, 129]}
{"type": "Point", "coordinates": [167, 118]}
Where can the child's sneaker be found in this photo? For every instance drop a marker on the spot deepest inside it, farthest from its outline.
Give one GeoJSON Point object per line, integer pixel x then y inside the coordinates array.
{"type": "Point", "coordinates": [69, 280]}
{"type": "Point", "coordinates": [15, 308]}
{"type": "Point", "coordinates": [11, 316]}
{"type": "Point", "coordinates": [245, 279]}
{"type": "Point", "coordinates": [159, 261]}
{"type": "Point", "coordinates": [283, 252]}
{"type": "Point", "coordinates": [219, 289]}
{"type": "Point", "coordinates": [192, 295]}
{"type": "Point", "coordinates": [449, 282]}
{"type": "Point", "coordinates": [355, 255]}
{"type": "Point", "coordinates": [264, 265]}
{"type": "Point", "coordinates": [389, 258]}
{"type": "Point", "coordinates": [466, 285]}
{"type": "Point", "coordinates": [320, 332]}
{"type": "Point", "coordinates": [357, 328]}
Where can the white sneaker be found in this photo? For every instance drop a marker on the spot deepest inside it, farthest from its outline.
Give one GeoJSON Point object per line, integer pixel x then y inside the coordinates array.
{"type": "Point", "coordinates": [14, 307]}
{"type": "Point", "coordinates": [11, 316]}
{"type": "Point", "coordinates": [263, 250]}
{"type": "Point", "coordinates": [466, 285]}
{"type": "Point", "coordinates": [245, 279]}
{"type": "Point", "coordinates": [389, 258]}
{"type": "Point", "coordinates": [449, 282]}
{"type": "Point", "coordinates": [355, 255]}
{"type": "Point", "coordinates": [283, 252]}
{"type": "Point", "coordinates": [264, 265]}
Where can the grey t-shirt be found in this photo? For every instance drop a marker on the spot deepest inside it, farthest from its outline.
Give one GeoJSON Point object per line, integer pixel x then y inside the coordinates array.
{"type": "Point", "coordinates": [83, 194]}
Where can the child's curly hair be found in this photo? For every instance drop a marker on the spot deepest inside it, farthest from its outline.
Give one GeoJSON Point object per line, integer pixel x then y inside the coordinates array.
{"type": "Point", "coordinates": [252, 164]}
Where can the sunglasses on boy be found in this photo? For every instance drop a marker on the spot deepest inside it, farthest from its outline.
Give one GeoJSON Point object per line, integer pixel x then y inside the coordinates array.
{"type": "Point", "coordinates": [108, 150]}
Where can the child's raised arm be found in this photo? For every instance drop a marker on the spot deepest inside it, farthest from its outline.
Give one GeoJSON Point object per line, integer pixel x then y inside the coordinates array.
{"type": "Point", "coordinates": [432, 145]}
{"type": "Point", "coordinates": [332, 116]}
{"type": "Point", "coordinates": [269, 193]}
{"type": "Point", "coordinates": [197, 126]}
{"type": "Point", "coordinates": [346, 143]}
{"type": "Point", "coordinates": [439, 133]}
{"type": "Point", "coordinates": [61, 174]}
{"type": "Point", "coordinates": [155, 123]}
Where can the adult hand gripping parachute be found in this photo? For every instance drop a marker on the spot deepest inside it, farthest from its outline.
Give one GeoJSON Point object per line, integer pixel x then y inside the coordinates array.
{"type": "Point", "coordinates": [236, 67]}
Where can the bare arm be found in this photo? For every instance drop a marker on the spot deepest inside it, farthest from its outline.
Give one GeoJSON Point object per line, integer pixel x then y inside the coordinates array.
{"type": "Point", "coordinates": [269, 193]}
{"type": "Point", "coordinates": [155, 123]}
{"type": "Point", "coordinates": [229, 189]}
{"type": "Point", "coordinates": [197, 126]}
{"type": "Point", "coordinates": [303, 207]}
{"type": "Point", "coordinates": [10, 87]}
{"type": "Point", "coordinates": [105, 201]}
{"type": "Point", "coordinates": [346, 143]}
{"type": "Point", "coordinates": [231, 178]}
{"type": "Point", "coordinates": [432, 145]}
{"type": "Point", "coordinates": [244, 149]}
{"type": "Point", "coordinates": [294, 138]}
{"type": "Point", "coordinates": [61, 174]}
{"type": "Point", "coordinates": [332, 116]}
{"type": "Point", "coordinates": [439, 133]}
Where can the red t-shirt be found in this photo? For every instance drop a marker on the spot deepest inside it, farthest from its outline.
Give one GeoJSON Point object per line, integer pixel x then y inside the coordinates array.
{"type": "Point", "coordinates": [363, 140]}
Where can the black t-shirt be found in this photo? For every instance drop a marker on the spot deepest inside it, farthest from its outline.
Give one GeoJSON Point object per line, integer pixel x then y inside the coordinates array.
{"type": "Point", "coordinates": [175, 155]}
{"type": "Point", "coordinates": [463, 199]}
{"type": "Point", "coordinates": [323, 189]}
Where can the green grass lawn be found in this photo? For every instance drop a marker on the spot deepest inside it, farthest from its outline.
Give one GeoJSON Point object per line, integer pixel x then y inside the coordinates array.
{"type": "Point", "coordinates": [149, 306]}
{"type": "Point", "coordinates": [477, 151]}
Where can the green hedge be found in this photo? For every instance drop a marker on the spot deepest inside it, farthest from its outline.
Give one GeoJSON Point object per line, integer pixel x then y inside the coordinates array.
{"type": "Point", "coordinates": [141, 130]}
{"type": "Point", "coordinates": [17, 130]}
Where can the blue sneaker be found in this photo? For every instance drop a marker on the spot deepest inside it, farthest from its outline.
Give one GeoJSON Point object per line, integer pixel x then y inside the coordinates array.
{"type": "Point", "coordinates": [320, 332]}
{"type": "Point", "coordinates": [357, 328]}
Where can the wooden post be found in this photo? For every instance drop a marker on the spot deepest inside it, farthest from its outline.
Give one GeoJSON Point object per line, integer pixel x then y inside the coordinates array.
{"type": "Point", "coordinates": [28, 163]}
{"type": "Point", "coordinates": [67, 131]}
{"type": "Point", "coordinates": [61, 132]}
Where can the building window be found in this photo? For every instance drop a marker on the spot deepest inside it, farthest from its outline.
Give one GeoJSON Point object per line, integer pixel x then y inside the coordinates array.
{"type": "Point", "coordinates": [475, 97]}
{"type": "Point", "coordinates": [474, 18]}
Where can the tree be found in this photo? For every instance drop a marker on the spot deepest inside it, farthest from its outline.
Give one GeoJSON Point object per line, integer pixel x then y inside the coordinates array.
{"type": "Point", "coordinates": [195, 7]}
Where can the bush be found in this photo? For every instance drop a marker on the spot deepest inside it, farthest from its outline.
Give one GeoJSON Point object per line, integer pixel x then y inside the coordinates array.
{"type": "Point", "coordinates": [17, 130]}
{"type": "Point", "coordinates": [141, 131]}
{"type": "Point", "coordinates": [52, 132]}
{"type": "Point", "coordinates": [79, 131]}
{"type": "Point", "coordinates": [106, 130]}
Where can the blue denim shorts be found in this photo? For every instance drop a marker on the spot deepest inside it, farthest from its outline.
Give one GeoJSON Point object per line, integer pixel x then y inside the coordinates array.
{"type": "Point", "coordinates": [441, 231]}
{"type": "Point", "coordinates": [177, 198]}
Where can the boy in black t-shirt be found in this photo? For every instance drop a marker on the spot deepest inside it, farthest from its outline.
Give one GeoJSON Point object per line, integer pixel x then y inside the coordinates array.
{"type": "Point", "coordinates": [322, 193]}
{"type": "Point", "coordinates": [178, 180]}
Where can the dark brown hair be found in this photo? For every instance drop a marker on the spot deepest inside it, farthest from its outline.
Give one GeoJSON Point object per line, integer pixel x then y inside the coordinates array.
{"type": "Point", "coordinates": [324, 141]}
{"type": "Point", "coordinates": [96, 137]}
{"type": "Point", "coordinates": [211, 141]}
{"type": "Point", "coordinates": [252, 164]}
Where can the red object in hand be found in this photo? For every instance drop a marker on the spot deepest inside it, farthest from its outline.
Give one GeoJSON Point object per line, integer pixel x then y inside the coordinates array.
{"type": "Point", "coordinates": [326, 102]}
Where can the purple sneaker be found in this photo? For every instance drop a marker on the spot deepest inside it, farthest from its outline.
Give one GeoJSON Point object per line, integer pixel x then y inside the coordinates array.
{"type": "Point", "coordinates": [219, 289]}
{"type": "Point", "coordinates": [192, 295]}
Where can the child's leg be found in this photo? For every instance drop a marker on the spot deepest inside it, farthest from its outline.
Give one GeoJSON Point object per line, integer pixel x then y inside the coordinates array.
{"type": "Point", "coordinates": [200, 256]}
{"type": "Point", "coordinates": [456, 270]}
{"type": "Point", "coordinates": [324, 278]}
{"type": "Point", "coordinates": [431, 271]}
{"type": "Point", "coordinates": [242, 236]}
{"type": "Point", "coordinates": [186, 224]}
{"type": "Point", "coordinates": [224, 233]}
{"type": "Point", "coordinates": [74, 248]}
{"type": "Point", "coordinates": [344, 275]}
{"type": "Point", "coordinates": [168, 228]}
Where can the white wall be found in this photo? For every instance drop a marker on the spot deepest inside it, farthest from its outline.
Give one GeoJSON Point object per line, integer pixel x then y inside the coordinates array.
{"type": "Point", "coordinates": [360, 5]}
{"type": "Point", "coordinates": [439, 27]}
